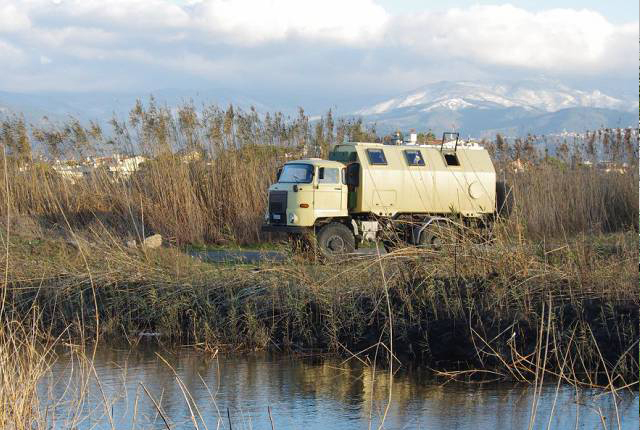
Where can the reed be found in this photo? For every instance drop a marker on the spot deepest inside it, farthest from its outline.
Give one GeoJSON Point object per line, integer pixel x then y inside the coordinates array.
{"type": "Point", "coordinates": [551, 311]}
{"type": "Point", "coordinates": [562, 304]}
{"type": "Point", "coordinates": [209, 169]}
{"type": "Point", "coordinates": [24, 361]}
{"type": "Point", "coordinates": [467, 306]}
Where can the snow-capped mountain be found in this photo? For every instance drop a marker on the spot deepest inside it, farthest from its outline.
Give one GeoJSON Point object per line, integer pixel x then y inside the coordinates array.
{"type": "Point", "coordinates": [544, 96]}
{"type": "Point", "coordinates": [481, 108]}
{"type": "Point", "coordinates": [476, 109]}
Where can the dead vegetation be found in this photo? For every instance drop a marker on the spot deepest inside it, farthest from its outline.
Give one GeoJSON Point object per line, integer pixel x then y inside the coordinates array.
{"type": "Point", "coordinates": [555, 295]}
{"type": "Point", "coordinates": [208, 170]}
{"type": "Point", "coordinates": [466, 307]}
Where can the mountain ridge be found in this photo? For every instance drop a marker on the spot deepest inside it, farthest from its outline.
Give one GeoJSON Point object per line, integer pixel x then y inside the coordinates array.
{"type": "Point", "coordinates": [475, 108]}
{"type": "Point", "coordinates": [543, 95]}
{"type": "Point", "coordinates": [480, 109]}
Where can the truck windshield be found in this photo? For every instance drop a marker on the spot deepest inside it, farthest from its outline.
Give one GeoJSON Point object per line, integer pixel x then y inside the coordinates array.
{"type": "Point", "coordinates": [296, 173]}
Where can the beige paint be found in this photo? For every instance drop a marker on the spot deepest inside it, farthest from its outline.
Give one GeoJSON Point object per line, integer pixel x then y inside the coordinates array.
{"type": "Point", "coordinates": [387, 190]}
{"type": "Point", "coordinates": [434, 188]}
{"type": "Point", "coordinates": [324, 200]}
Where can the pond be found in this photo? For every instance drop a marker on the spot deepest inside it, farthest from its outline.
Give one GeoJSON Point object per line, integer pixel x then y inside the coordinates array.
{"type": "Point", "coordinates": [152, 387]}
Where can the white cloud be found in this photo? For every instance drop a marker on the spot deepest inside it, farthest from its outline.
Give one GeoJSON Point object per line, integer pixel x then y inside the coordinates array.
{"type": "Point", "coordinates": [557, 40]}
{"type": "Point", "coordinates": [140, 14]}
{"type": "Point", "coordinates": [330, 44]}
{"type": "Point", "coordinates": [11, 56]}
{"type": "Point", "coordinates": [12, 19]}
{"type": "Point", "coordinates": [71, 37]}
{"type": "Point", "coordinates": [251, 21]}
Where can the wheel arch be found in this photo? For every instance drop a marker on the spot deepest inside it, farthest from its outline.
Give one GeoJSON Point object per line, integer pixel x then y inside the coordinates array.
{"type": "Point", "coordinates": [417, 232]}
{"type": "Point", "coordinates": [348, 221]}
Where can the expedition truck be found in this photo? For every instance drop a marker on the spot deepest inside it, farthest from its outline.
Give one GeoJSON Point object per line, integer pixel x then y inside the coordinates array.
{"type": "Point", "coordinates": [397, 193]}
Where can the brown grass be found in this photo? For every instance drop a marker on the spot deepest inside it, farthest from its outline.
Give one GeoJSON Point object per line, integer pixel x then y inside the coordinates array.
{"type": "Point", "coordinates": [516, 311]}
{"type": "Point", "coordinates": [472, 293]}
{"type": "Point", "coordinates": [552, 297]}
{"type": "Point", "coordinates": [207, 180]}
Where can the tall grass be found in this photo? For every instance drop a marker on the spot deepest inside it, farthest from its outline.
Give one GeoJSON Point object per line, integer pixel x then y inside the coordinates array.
{"type": "Point", "coordinates": [209, 171]}
{"type": "Point", "coordinates": [465, 307]}
{"type": "Point", "coordinates": [24, 361]}
{"type": "Point", "coordinates": [589, 185]}
{"type": "Point", "coordinates": [560, 305]}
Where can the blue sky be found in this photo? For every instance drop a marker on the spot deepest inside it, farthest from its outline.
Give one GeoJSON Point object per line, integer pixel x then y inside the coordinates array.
{"type": "Point", "coordinates": [312, 53]}
{"type": "Point", "coordinates": [617, 11]}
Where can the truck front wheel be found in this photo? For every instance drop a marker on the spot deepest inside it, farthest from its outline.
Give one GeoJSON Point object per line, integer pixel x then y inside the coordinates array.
{"type": "Point", "coordinates": [335, 239]}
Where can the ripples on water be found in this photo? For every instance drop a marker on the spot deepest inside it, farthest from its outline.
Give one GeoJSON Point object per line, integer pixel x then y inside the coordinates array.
{"type": "Point", "coordinates": [302, 394]}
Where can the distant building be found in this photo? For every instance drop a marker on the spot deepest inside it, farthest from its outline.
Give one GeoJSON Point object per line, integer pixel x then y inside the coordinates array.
{"type": "Point", "coordinates": [70, 171]}
{"type": "Point", "coordinates": [519, 165]}
{"type": "Point", "coordinates": [116, 165]}
{"type": "Point", "coordinates": [124, 167]}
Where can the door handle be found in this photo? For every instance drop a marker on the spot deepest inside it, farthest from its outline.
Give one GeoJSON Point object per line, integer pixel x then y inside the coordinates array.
{"type": "Point", "coordinates": [339, 189]}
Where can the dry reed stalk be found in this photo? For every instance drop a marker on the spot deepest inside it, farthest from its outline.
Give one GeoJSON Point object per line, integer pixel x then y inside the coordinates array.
{"type": "Point", "coordinates": [206, 179]}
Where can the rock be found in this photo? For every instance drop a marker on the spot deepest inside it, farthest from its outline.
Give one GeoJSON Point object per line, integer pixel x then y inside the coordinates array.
{"type": "Point", "coordinates": [152, 242]}
{"type": "Point", "coordinates": [131, 243]}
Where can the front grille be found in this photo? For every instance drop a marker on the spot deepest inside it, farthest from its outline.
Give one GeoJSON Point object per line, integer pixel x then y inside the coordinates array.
{"type": "Point", "coordinates": [278, 207]}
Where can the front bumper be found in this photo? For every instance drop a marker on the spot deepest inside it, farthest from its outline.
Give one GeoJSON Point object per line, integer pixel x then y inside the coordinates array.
{"type": "Point", "coordinates": [274, 228]}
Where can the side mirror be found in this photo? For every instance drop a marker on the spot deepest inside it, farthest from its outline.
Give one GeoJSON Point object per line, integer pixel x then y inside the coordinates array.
{"type": "Point", "coordinates": [278, 174]}
{"type": "Point", "coordinates": [352, 177]}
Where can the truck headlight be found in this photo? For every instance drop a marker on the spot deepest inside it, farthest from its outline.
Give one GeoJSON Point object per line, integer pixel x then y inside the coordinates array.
{"type": "Point", "coordinates": [293, 218]}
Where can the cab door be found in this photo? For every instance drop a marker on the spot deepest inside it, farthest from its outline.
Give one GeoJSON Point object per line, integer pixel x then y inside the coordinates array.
{"type": "Point", "coordinates": [328, 194]}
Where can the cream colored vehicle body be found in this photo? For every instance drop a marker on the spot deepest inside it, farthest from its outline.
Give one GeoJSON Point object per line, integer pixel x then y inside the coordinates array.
{"type": "Point", "coordinates": [344, 199]}
{"type": "Point", "coordinates": [466, 186]}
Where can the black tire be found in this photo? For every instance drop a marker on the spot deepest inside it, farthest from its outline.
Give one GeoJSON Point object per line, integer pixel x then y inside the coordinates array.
{"type": "Point", "coordinates": [433, 236]}
{"type": "Point", "coordinates": [335, 239]}
{"type": "Point", "coordinates": [504, 199]}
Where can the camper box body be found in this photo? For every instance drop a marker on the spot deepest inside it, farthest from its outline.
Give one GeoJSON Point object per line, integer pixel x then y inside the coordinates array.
{"type": "Point", "coordinates": [419, 179]}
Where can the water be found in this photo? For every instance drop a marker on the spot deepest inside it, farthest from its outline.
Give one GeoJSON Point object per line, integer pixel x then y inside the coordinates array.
{"type": "Point", "coordinates": [301, 393]}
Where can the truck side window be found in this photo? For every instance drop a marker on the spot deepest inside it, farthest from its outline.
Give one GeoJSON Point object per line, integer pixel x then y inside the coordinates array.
{"type": "Point", "coordinates": [343, 156]}
{"type": "Point", "coordinates": [451, 159]}
{"type": "Point", "coordinates": [413, 157]}
{"type": "Point", "coordinates": [327, 175]}
{"type": "Point", "coordinates": [376, 156]}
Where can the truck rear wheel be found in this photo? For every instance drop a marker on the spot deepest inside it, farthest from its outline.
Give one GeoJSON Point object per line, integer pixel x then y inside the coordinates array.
{"type": "Point", "coordinates": [392, 235]}
{"type": "Point", "coordinates": [335, 239]}
{"type": "Point", "coordinates": [433, 236]}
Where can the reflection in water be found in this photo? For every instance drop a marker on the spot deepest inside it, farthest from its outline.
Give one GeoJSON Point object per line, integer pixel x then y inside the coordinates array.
{"type": "Point", "coordinates": [302, 394]}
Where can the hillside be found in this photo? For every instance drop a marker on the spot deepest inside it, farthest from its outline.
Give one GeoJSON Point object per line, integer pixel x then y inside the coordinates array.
{"type": "Point", "coordinates": [480, 109]}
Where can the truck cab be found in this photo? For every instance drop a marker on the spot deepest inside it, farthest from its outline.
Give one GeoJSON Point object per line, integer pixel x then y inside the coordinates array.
{"type": "Point", "coordinates": [307, 192]}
